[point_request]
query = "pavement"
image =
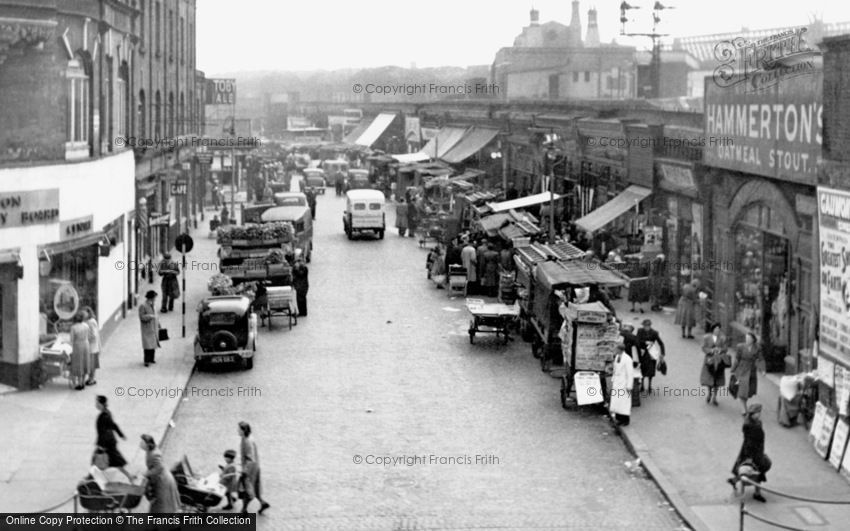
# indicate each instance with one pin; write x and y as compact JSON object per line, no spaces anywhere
{"x":689,"y":447}
{"x":49,"y":433}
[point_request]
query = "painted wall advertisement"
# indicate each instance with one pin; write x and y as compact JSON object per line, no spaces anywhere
{"x":834,"y":250}
{"x":775,"y":132}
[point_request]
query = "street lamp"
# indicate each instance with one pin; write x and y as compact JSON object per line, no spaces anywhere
{"x":655,"y":62}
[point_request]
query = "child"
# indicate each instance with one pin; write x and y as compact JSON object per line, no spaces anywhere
{"x":229,"y":478}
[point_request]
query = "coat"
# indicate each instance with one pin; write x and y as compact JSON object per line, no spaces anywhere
{"x":168,"y":270}
{"x":401,"y":216}
{"x":149,"y":326}
{"x":622,"y":382}
{"x":713,"y":373}
{"x":81,"y":362}
{"x":469,"y":259}
{"x":94,"y":337}
{"x":490,"y":269}
{"x":747,"y":361}
{"x":753,"y":449}
{"x":166,"y":498}
{"x":647,"y":363}
{"x":479,"y":259}
{"x":250,"y":468}
{"x":106,"y":430}
{"x":686,"y":310}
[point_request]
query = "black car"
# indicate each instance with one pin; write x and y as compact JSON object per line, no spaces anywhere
{"x":227,"y":331}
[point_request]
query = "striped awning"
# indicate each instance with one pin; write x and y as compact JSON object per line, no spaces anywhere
{"x":628,"y":198}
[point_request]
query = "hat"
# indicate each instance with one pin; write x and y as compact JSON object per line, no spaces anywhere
{"x":647,"y":322}
{"x":230,"y":454}
{"x":753,"y":409}
{"x":150,"y":294}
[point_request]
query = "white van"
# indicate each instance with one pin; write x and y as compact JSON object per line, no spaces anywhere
{"x":364,"y":211}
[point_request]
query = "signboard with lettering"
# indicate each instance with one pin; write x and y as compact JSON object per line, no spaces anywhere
{"x":834,"y":249}
{"x":74,"y":228}
{"x":775,"y":132}
{"x":677,"y":178}
{"x":839,"y":443}
{"x":221,"y":92}
{"x":588,"y":388}
{"x":179,"y":187}
{"x":33,"y":207}
{"x":204,"y":158}
{"x":822,"y":429}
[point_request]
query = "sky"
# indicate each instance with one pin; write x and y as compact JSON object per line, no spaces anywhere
{"x":295,"y":35}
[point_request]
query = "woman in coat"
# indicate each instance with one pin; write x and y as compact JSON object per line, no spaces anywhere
{"x":752,"y":450}
{"x":106,"y":430}
{"x":490,"y":271}
{"x":94,"y":344}
{"x":646,"y":336}
{"x":165,"y":497}
{"x":748,"y":363}
{"x":80,"y":351}
{"x":713,"y":373}
{"x":401,"y":217}
{"x":150,"y":327}
{"x":686,"y":310}
{"x":250,"y":469}
{"x":622,"y":382}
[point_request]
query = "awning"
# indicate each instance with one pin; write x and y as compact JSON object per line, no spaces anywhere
{"x":445,"y":140}
{"x":614,"y":208}
{"x":491,"y":224}
{"x":10,"y":256}
{"x":407,"y":158}
{"x":518,"y":229}
{"x":468,"y":175}
{"x":523,"y":202}
{"x":375,"y":129}
{"x":576,"y":272}
{"x":473,"y":142}
{"x":77,"y":243}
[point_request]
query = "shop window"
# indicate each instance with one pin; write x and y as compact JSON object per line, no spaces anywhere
{"x":67,"y":284}
{"x":77,"y":112}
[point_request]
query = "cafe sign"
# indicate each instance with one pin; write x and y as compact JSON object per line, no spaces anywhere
{"x":776,"y":132}
{"x":33,"y":207}
{"x":74,"y":228}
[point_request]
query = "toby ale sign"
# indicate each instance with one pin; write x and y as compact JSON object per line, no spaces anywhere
{"x":221,"y":92}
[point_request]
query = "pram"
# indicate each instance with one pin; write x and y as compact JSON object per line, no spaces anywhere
{"x":197,"y":493}
{"x":116,"y":497}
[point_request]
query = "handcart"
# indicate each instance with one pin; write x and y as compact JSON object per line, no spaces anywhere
{"x":490,"y":318}
{"x":457,"y":280}
{"x":116,"y":497}
{"x":197,"y":493}
{"x":281,"y":301}
{"x":431,"y":228}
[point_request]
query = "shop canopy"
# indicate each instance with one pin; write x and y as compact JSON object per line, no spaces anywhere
{"x":472,"y":142}
{"x":578,"y":273}
{"x":406,"y":158}
{"x":355,"y":133}
{"x":468,"y":175}
{"x":629,"y":198}
{"x":518,"y":229}
{"x":524,"y":202}
{"x":375,"y":129}
{"x":438,"y":146}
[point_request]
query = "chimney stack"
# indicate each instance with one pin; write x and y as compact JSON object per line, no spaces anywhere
{"x":575,"y":26}
{"x":535,"y":17}
{"x":592,"y":38}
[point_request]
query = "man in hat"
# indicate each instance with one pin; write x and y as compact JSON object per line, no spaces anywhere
{"x":168,"y":270}
{"x":150,"y":327}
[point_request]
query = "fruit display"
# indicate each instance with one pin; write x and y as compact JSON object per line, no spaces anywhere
{"x":275,"y":232}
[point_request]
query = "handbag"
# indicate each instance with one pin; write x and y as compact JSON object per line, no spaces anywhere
{"x":662,"y":366}
{"x":733,"y":386}
{"x":163,"y":334}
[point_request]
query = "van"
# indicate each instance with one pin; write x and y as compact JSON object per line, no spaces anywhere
{"x":293,"y":207}
{"x":364,"y":211}
{"x":335,"y":170}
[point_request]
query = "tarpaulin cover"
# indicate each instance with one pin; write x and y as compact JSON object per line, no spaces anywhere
{"x":474,"y":140}
{"x":375,"y":129}
{"x":614,"y":208}
{"x":576,"y":272}
{"x":523,"y":202}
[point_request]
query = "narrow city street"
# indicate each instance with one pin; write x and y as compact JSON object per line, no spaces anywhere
{"x":383,"y":367}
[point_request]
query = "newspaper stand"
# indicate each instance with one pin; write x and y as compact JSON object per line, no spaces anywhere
{"x":588,"y":343}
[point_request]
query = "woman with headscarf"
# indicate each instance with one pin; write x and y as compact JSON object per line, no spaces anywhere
{"x":164,"y":496}
{"x":94,"y":343}
{"x":250,"y":469}
{"x":752,"y":454}
{"x":748,"y":363}
{"x":80,"y":351}
{"x":686,"y":310}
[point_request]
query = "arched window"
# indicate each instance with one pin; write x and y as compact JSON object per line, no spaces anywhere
{"x":143,"y":116}
{"x":157,"y":121}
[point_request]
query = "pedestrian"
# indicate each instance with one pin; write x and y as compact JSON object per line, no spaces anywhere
{"x":651,"y":351}
{"x":506,"y":258}
{"x":480,"y":249}
{"x":657,"y":282}
{"x":229,"y":478}
{"x":168,"y":270}
{"x":752,"y":455}
{"x":164,"y":496}
{"x":311,"y":201}
{"x":250,"y":469}
{"x":225,"y":215}
{"x":216,"y":196}
{"x":401,"y":217}
{"x":632,"y":348}
{"x":622,"y":382}
{"x":469,"y":260}
{"x":150,"y":327}
{"x":686,"y":309}
{"x":301,"y":283}
{"x":81,"y":361}
{"x":106,"y":430}
{"x":437,"y":269}
{"x":713,"y":373}
{"x":453,"y":252}
{"x":490,"y":277}
{"x":412,"y":217}
{"x":749,"y":361}
{"x":94,"y":343}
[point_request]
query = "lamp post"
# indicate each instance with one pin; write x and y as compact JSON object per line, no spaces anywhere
{"x":655,"y":61}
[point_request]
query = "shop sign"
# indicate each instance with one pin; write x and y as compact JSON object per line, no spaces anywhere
{"x":588,"y":388}
{"x":823,"y":425}
{"x":677,"y":178}
{"x":834,"y":249}
{"x":774,"y":132}
{"x":652,"y":239}
{"x":33,"y":207}
{"x":411,"y":129}
{"x":204,"y":158}
{"x":74,"y":228}
{"x":179,"y":187}
{"x":221,"y":92}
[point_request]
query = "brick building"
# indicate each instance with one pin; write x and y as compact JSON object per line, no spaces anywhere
{"x":81,"y":83}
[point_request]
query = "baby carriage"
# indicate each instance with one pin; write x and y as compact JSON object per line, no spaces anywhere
{"x":115,"y":497}
{"x":197,"y":493}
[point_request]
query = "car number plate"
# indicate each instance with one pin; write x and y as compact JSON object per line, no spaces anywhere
{"x":222,"y":359}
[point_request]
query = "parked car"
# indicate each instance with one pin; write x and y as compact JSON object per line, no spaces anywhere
{"x":315,"y":178}
{"x":227,"y":332}
{"x":364,"y":212}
